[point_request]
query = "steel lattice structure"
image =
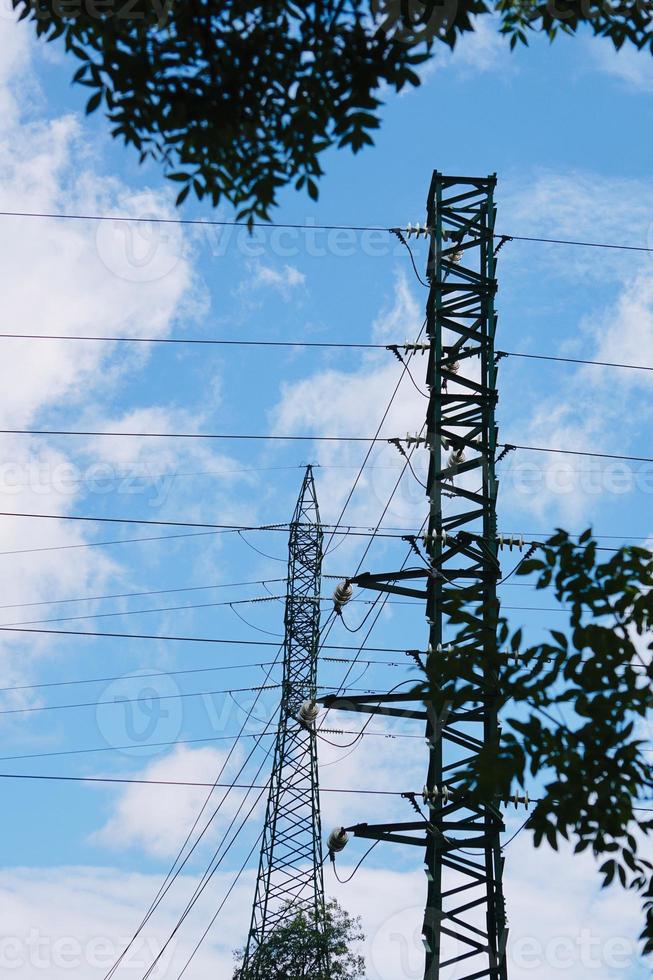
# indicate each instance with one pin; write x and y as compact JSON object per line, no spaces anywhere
{"x":290,"y":876}
{"x":464,"y":926}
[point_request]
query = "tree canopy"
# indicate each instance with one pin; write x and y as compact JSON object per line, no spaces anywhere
{"x":238,"y":99}
{"x":574,"y":709}
{"x":297,"y":949}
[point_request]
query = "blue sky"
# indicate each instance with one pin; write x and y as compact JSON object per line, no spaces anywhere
{"x":566,"y":129}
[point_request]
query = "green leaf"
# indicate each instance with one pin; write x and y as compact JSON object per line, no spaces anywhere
{"x":93,"y":102}
{"x":529,"y":566}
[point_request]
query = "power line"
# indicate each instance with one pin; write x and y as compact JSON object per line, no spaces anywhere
{"x":180,"y":860}
{"x":348,"y":499}
{"x":135,"y":595}
{"x":192,"y":741}
{"x":157,"y":697}
{"x":214,"y":863}
{"x":102,"y":544}
{"x":191,"y":341}
{"x":123,"y":780}
{"x":208,"y":222}
{"x":577,"y":452}
{"x":175,"y":673}
{"x":573,"y":360}
{"x":183,"y":639}
{"x":567,"y":241}
{"x":188,"y":435}
{"x":271,"y":226}
{"x":141,"y":612}
{"x":293,"y":438}
{"x":221,"y":528}
{"x":135,"y":676}
{"x":251,"y":601}
{"x":342,"y":345}
{"x":223,"y":902}
{"x":200,"y":534}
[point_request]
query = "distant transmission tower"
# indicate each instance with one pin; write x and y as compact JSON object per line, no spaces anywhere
{"x":464,"y":925}
{"x":290,"y":878}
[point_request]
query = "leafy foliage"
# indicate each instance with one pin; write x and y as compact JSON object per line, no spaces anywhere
{"x":574,"y":708}
{"x":238,"y":99}
{"x":295,"y":950}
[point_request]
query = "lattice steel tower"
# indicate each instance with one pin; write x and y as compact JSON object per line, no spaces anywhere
{"x":290,"y":878}
{"x":464,"y":927}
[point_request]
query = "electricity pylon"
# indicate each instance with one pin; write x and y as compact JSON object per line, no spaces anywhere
{"x":464,"y":927}
{"x":290,"y":877}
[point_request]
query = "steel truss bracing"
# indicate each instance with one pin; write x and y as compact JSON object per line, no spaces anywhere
{"x":290,"y":876}
{"x":464,"y":926}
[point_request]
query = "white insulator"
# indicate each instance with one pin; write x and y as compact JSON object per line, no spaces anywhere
{"x":342,"y":594}
{"x":429,"y":538}
{"x":307,"y":714}
{"x":416,"y":439}
{"x":455,"y":367}
{"x":456,"y":457}
{"x":417,"y":229}
{"x":432,"y":797}
{"x":409,"y":345}
{"x":526,"y":799}
{"x":338,"y":840}
{"x":457,"y":256}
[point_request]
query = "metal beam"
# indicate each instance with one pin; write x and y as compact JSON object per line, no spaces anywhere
{"x":461,"y":550}
{"x":290,"y":876}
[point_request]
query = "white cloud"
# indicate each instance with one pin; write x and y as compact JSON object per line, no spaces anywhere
{"x":338,"y":402}
{"x":483,"y":51}
{"x":631,"y":67}
{"x":559,"y":925}
{"x":284,"y":280}
{"x":624,"y":332}
{"x":71,"y":921}
{"x":67,"y":277}
{"x":486,"y":50}
{"x":582,"y":206}
{"x":586,"y":407}
{"x":156,"y":819}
